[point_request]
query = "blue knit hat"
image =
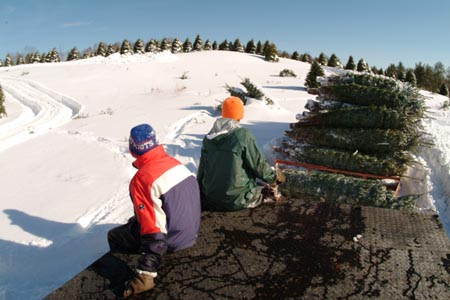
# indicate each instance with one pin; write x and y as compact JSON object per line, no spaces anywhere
{"x":142,"y":139}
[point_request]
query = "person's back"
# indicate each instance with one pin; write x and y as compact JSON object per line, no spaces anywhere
{"x":174,"y":190}
{"x":230,"y":163}
{"x":166,"y":202}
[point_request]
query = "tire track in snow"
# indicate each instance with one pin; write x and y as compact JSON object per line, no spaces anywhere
{"x":41,"y":110}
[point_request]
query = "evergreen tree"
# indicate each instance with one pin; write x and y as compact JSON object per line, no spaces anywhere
{"x":8,"y":61}
{"x":306,"y":57}
{"x":2,"y":101}
{"x":443,"y":90}
{"x":259,"y":48}
{"x":237,"y":46}
{"x":265,"y":46}
{"x":284,"y":54}
{"x":362,"y":66}
{"x":126,"y":48}
{"x":19,"y":60}
{"x":419,"y":72}
{"x":101,"y":50}
{"x":323,"y":59}
{"x":411,"y":77}
{"x":187,"y":45}
{"x":224,"y":45}
{"x":438,"y":75}
{"x":208,"y":46}
{"x":425,"y":77}
{"x":252,"y":90}
{"x":36,"y":58}
{"x":1,"y":63}
{"x":215,"y":46}
{"x":87,"y":54}
{"x":401,"y":75}
{"x":287,"y":73}
{"x":74,"y":54}
{"x":198,"y":43}
{"x":391,"y":71}
{"x":311,"y":77}
{"x":374,"y":70}
{"x":177,"y":47}
{"x":271,"y":53}
{"x":295,"y":56}
{"x":48,"y":57}
{"x":151,"y":46}
{"x":139,"y":47}
{"x":447,"y":72}
{"x":251,"y":47}
{"x":350,"y":64}
{"x":158,"y":45}
{"x":56,"y":55}
{"x":43,"y":57}
{"x":53,"y":56}
{"x":334,"y":61}
{"x":428,"y":82}
{"x":165,"y":44}
{"x":400,"y":69}
{"x":111,"y":50}
{"x":29,"y":58}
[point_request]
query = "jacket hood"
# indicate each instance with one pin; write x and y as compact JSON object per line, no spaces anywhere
{"x":222,"y":126}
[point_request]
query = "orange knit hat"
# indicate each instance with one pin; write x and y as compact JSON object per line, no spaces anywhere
{"x":233,"y":108}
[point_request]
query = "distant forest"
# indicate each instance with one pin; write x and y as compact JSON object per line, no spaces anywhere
{"x":432,"y":78}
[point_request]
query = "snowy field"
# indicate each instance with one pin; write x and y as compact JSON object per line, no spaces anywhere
{"x":64,"y":153}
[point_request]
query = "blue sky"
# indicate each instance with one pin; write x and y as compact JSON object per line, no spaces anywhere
{"x":380,"y":31}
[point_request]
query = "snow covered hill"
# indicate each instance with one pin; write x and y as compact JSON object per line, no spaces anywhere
{"x":64,"y":154}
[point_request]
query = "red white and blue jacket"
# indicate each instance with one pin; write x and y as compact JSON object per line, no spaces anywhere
{"x":166,"y":202}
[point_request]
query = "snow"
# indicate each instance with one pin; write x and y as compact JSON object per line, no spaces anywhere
{"x":64,"y":154}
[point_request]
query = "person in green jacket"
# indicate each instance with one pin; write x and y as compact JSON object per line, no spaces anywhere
{"x":231,"y":162}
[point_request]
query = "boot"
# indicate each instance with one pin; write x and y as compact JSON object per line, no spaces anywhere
{"x":140,"y":283}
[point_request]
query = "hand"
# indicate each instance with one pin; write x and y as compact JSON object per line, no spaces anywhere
{"x":140,"y":283}
{"x":280,"y":176}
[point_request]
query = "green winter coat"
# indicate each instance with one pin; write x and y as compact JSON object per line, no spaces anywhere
{"x":229,"y":165}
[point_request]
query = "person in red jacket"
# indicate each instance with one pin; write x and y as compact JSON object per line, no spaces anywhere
{"x":166,"y":201}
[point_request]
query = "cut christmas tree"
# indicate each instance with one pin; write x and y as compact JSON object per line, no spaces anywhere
{"x":369,"y":141}
{"x":363,"y":117}
{"x":388,"y":165}
{"x":342,"y":189}
{"x":360,"y":124}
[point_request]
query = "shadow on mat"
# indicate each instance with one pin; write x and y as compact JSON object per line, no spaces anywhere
{"x":115,"y":270}
{"x":270,"y":252}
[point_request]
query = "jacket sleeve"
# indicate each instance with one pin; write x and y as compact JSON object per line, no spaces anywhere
{"x":255,"y":160}
{"x":153,"y":241}
{"x":200,"y":167}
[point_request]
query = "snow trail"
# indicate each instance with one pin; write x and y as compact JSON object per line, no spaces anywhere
{"x":41,"y":111}
{"x":184,"y":138}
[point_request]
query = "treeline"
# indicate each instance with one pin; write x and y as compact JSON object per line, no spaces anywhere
{"x":267,"y":49}
{"x":432,"y":78}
